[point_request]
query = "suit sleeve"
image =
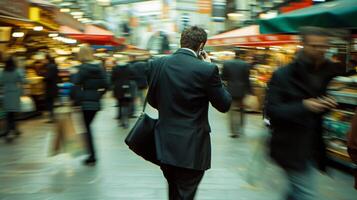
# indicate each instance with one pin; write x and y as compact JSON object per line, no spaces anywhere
{"x":279,"y":110}
{"x":217,"y":94}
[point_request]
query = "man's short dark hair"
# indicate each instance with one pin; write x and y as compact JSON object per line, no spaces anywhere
{"x":313,"y":30}
{"x":192,"y":37}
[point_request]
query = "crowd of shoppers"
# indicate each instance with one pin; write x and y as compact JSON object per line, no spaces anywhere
{"x":187,"y":83}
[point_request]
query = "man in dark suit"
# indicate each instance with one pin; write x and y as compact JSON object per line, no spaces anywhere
{"x":185,"y":87}
{"x":236,"y":73}
{"x":295,"y":103}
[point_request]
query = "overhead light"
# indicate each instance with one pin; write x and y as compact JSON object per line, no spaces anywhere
{"x":18,"y":34}
{"x":38,"y":28}
{"x":81,"y":19}
{"x":77,"y":13}
{"x":234,"y":16}
{"x":268,"y":15}
{"x":65,"y":10}
{"x":77,"y":16}
{"x":299,"y":47}
{"x":104,"y":2}
{"x":53,"y":35}
{"x":65,"y":4}
{"x":262,"y":48}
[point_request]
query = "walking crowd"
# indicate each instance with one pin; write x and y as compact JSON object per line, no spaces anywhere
{"x":182,"y":86}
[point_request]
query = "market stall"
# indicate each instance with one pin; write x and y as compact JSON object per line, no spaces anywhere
{"x":265,"y":52}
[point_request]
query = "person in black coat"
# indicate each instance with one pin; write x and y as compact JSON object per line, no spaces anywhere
{"x":295,"y":103}
{"x":123,"y":92}
{"x":141,"y":80}
{"x":236,"y":72}
{"x":51,"y":79}
{"x":182,"y":92}
{"x":92,"y":84}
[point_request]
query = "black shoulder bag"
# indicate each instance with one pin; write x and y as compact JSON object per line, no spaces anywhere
{"x":141,"y":138}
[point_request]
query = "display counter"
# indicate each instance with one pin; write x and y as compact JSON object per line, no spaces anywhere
{"x":337,"y":123}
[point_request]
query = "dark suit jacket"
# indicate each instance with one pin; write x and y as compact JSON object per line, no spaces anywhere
{"x":121,"y":77}
{"x":297,"y":132}
{"x":236,"y":73}
{"x":182,"y":94}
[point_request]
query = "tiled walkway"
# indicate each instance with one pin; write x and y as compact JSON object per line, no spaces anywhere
{"x":27,"y":172}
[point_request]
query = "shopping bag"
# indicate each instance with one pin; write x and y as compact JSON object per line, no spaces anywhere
{"x":251,"y":102}
{"x":67,"y":137}
{"x":27,"y":104}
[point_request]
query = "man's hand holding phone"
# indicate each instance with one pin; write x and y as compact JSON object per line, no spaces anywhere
{"x":204,"y":56}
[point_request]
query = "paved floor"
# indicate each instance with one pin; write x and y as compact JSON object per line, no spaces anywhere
{"x":28,"y":172}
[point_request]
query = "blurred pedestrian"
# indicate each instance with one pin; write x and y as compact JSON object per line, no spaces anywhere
{"x":51,"y":79}
{"x":237,"y":72}
{"x":11,"y":79}
{"x":182,"y":91}
{"x":123,"y":91}
{"x":352,"y":144}
{"x":140,"y":80}
{"x":92,"y":81}
{"x":133,"y":87}
{"x":295,"y":103}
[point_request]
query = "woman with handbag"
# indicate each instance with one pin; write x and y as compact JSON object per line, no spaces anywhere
{"x":92,"y":81}
{"x":11,"y":79}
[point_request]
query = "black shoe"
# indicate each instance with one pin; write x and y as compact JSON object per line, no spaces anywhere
{"x":234,"y":136}
{"x":89,"y":161}
{"x":17,"y":132}
{"x":9,"y":138}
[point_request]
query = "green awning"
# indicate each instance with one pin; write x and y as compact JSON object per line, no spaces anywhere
{"x":334,"y":14}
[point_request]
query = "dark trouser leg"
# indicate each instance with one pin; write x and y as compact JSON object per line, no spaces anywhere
{"x":50,"y":107}
{"x":125,"y":115}
{"x":183,"y":183}
{"x":242,"y":116}
{"x":88,"y":116}
{"x":11,"y":124}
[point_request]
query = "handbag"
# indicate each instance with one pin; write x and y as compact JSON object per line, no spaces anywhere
{"x":141,"y":138}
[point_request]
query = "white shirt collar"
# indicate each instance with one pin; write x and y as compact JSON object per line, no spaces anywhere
{"x":190,"y":50}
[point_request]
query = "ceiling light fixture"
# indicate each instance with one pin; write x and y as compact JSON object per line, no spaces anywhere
{"x":53,"y":35}
{"x":38,"y":28}
{"x":65,"y":10}
{"x":18,"y":34}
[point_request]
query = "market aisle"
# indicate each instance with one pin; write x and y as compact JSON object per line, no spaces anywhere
{"x":28,"y":173}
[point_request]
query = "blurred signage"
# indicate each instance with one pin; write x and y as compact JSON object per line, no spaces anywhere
{"x":44,"y":17}
{"x":204,"y":6}
{"x":260,"y":40}
{"x":66,"y":19}
{"x":219,"y":11}
{"x":5,"y":33}
{"x":14,"y":8}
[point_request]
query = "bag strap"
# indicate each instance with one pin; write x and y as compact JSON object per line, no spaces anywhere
{"x":154,"y":79}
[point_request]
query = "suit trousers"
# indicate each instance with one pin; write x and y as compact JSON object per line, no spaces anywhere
{"x":88,"y":116}
{"x":182,"y":182}
{"x":237,"y":116}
